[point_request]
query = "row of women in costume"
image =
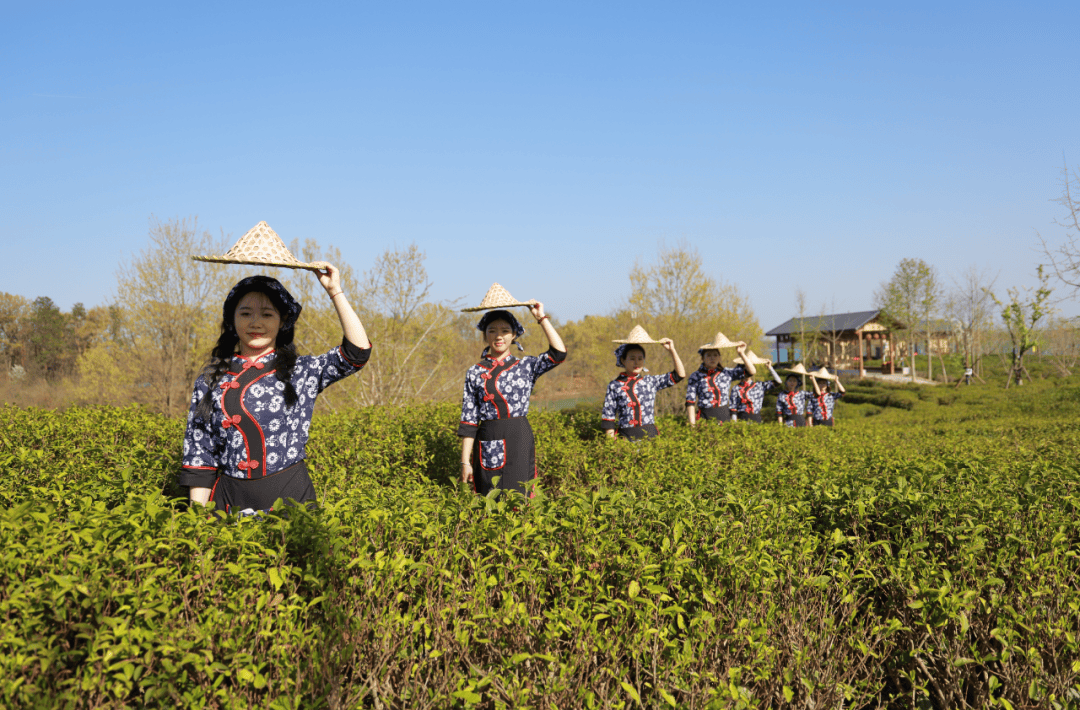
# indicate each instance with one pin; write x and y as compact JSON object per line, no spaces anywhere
{"x":251,"y":408}
{"x":713,"y":393}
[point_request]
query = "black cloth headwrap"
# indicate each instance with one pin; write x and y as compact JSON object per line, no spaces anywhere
{"x":518,"y":328}
{"x":268,"y":285}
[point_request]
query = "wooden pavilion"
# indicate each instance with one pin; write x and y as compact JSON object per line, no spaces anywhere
{"x":849,"y":338}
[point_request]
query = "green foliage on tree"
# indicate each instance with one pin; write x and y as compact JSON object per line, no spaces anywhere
{"x":1021,"y":314}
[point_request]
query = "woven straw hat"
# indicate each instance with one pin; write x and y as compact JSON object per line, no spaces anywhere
{"x":498,"y":297}
{"x":719,"y":341}
{"x":637,"y":336}
{"x":754,"y":358}
{"x":262,"y":246}
{"x":799,"y":369}
{"x":822,"y":374}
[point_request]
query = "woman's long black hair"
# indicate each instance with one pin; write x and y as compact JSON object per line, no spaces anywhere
{"x":221,"y":356}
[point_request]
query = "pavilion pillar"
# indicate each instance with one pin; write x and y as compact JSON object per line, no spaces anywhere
{"x":862,"y":358}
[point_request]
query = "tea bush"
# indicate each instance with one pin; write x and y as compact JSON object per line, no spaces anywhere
{"x":925,"y":556}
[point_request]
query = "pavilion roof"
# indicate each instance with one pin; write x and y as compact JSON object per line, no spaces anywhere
{"x":832,"y":323}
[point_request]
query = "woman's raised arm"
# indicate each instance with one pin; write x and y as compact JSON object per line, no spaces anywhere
{"x":351,"y":327}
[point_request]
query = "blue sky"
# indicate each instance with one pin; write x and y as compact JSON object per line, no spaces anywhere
{"x":543,"y":145}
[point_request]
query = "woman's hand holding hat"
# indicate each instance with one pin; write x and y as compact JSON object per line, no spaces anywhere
{"x":330,"y":278}
{"x":668,"y":344}
{"x":537,"y":310}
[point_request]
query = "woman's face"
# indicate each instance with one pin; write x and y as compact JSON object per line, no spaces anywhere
{"x":791,"y":383}
{"x":633,"y":362}
{"x":257,"y":323}
{"x":711,"y":359}
{"x":498,"y":336}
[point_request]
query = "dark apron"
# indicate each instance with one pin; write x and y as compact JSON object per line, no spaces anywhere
{"x":750,"y":416}
{"x":637,"y":433}
{"x":519,"y":455}
{"x":722,"y":414}
{"x":800,"y":420}
{"x":823,"y":422}
{"x":231,"y":495}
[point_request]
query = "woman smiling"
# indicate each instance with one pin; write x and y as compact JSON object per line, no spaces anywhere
{"x":497,"y":445}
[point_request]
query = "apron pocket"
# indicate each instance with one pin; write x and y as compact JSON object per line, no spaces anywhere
{"x":492,"y":454}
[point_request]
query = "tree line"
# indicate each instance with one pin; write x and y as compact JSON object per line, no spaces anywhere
{"x":149,"y":344}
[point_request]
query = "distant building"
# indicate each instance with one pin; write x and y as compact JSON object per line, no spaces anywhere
{"x":848,"y":339}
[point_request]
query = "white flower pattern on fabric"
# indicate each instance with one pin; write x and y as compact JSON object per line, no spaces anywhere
{"x":514,"y":387}
{"x":619,"y":410}
{"x":749,"y":398}
{"x":492,"y":454}
{"x":210,"y":445}
{"x":823,"y":404}
{"x":789,"y":404}
{"x":712,"y":388}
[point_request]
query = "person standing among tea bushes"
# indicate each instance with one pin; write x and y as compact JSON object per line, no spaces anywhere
{"x":793,"y":402}
{"x":496,"y":438}
{"x":630,"y":403}
{"x":708,"y":391}
{"x":824,"y":401}
{"x":749,"y":395}
{"x":252,"y":404}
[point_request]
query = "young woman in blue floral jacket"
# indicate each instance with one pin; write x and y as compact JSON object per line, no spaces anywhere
{"x":793,"y":403}
{"x":708,"y":391}
{"x":824,"y":401}
{"x":251,"y":408}
{"x":630,"y":404}
{"x":496,"y":439}
{"x":749,"y":396}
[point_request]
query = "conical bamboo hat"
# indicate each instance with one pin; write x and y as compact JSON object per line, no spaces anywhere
{"x":799,"y":369}
{"x":755,"y":359}
{"x":637,"y":336}
{"x":823,"y":374}
{"x":262,"y":246}
{"x":498,"y":297}
{"x":719,"y":341}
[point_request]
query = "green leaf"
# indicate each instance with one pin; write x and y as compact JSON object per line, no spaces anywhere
{"x":630,"y":691}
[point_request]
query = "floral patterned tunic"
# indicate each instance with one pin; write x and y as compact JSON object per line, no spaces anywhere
{"x":749,"y":396}
{"x":631,"y":400}
{"x":712,"y":388}
{"x":790,"y":404}
{"x":823,"y":404}
{"x":251,"y":433}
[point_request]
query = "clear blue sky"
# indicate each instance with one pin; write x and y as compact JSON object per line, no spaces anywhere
{"x":543,"y":145}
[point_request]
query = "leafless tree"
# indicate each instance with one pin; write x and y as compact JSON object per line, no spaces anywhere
{"x":1064,"y":258}
{"x":1061,"y":344}
{"x":969,"y":307}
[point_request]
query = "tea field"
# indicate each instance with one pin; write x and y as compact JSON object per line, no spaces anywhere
{"x":923,"y":554}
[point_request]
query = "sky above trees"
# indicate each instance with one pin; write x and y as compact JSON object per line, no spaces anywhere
{"x":546,"y":146}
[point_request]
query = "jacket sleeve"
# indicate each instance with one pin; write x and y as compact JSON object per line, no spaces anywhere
{"x":203,"y":445}
{"x":470,"y":410}
{"x":609,"y":414}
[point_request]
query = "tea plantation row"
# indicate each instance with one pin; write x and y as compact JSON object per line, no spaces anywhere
{"x":915,"y":558}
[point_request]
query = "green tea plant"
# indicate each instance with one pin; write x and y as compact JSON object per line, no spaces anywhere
{"x":922,"y":557}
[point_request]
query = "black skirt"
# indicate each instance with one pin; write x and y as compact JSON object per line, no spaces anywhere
{"x":823,"y":422}
{"x":749,"y":417}
{"x":800,"y":420}
{"x":518,"y":467}
{"x":232,"y":495}
{"x":637,"y":433}
{"x":721,"y":414}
